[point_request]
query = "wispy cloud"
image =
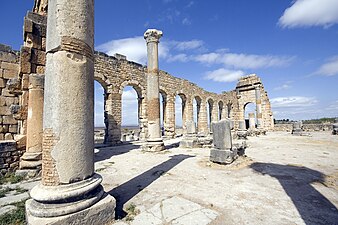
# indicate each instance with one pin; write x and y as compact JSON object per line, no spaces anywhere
{"x":187,"y":45}
{"x":330,"y":68}
{"x":284,"y":86}
{"x":186,"y":21}
{"x":134,"y":48}
{"x":306,"y":13}
{"x":244,"y":61}
{"x":224,"y":75}
{"x":178,"y":58}
{"x":293,"y":101}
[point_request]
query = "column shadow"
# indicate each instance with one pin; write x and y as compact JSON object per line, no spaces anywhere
{"x":313,"y":207}
{"x":124,"y":192}
{"x":104,"y":153}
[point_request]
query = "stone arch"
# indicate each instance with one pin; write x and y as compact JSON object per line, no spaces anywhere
{"x":141,"y":93}
{"x":248,"y":106}
{"x":107,"y":87}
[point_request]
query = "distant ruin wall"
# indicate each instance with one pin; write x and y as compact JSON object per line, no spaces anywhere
{"x":9,"y":68}
{"x":306,"y":127}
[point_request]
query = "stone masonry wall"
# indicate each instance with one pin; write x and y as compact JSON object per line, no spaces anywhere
{"x":9,"y":157}
{"x":9,"y":68}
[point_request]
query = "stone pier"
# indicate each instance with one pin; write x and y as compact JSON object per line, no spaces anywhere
{"x":31,"y":159}
{"x":70,"y":192}
{"x":258,"y":107}
{"x":222,"y":151}
{"x":154,"y":139}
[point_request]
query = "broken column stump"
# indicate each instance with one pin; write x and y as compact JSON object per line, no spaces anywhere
{"x":222,"y":152}
{"x":190,"y":140}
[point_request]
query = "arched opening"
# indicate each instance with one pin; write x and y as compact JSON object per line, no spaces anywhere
{"x":163,"y":108}
{"x":210,"y":105}
{"x":196,"y":108}
{"x":220,"y":110}
{"x":229,"y":110}
{"x":130,"y":114}
{"x":180,"y":102}
{"x":100,"y":115}
{"x":249,"y":115}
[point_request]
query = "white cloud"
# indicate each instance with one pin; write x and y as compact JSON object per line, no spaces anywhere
{"x":224,"y":75}
{"x":330,"y":68}
{"x":305,"y":13}
{"x":179,"y":58}
{"x":243,"y":61}
{"x":187,"y":45}
{"x":293,"y":101}
{"x":134,"y":48}
{"x":129,"y":97}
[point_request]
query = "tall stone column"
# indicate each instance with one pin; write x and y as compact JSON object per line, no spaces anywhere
{"x":214,"y":112}
{"x":70,"y":192}
{"x":258,"y":107}
{"x":31,"y":159}
{"x":154,"y":139}
{"x":203,"y":119}
{"x":188,"y":114}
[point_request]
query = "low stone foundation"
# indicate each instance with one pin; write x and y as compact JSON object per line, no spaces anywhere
{"x":9,"y":156}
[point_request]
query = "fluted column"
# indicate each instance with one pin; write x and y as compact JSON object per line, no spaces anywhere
{"x":258,"y":107}
{"x":69,"y":184}
{"x":154,"y":139}
{"x":31,"y":159}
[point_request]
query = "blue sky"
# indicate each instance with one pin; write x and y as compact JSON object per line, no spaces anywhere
{"x":291,"y":45}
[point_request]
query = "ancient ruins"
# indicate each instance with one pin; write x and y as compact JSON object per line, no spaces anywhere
{"x":47,"y":112}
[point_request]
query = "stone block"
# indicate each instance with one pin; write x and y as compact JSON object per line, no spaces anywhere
{"x":222,"y":134}
{"x":38,"y":57}
{"x":13,"y":129}
{"x":33,"y":41}
{"x":223,"y":156}
{"x":9,"y":101}
{"x":10,"y":66}
{"x":8,"y":74}
{"x":9,"y":120}
{"x":28,"y":26}
{"x":5,"y":111}
{"x":2,"y":100}
{"x":8,"y":136}
{"x":190,"y":126}
{"x":8,"y":57}
{"x":6,"y":93}
{"x":2,"y":83}
{"x":191,"y":142}
{"x":102,"y":212}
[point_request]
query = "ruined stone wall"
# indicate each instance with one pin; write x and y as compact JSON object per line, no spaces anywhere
{"x":305,"y":127}
{"x":246,"y":93}
{"x":114,"y":73}
{"x":9,"y":68}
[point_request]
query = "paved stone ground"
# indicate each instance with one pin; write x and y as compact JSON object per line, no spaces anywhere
{"x":283,"y":180}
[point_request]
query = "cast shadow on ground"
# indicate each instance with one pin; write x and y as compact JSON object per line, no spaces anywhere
{"x":129,"y":189}
{"x":313,"y":207}
{"x":104,"y":153}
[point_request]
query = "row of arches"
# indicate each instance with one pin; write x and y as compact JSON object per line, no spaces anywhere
{"x":175,"y":110}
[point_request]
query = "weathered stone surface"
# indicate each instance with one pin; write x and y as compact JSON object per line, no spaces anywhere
{"x":222,"y":134}
{"x":7,"y":209}
{"x":223,"y":156}
{"x":100,"y":213}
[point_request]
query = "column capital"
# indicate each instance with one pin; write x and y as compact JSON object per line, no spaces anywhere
{"x":152,"y":35}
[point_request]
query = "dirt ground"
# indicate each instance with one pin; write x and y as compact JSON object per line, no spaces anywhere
{"x":283,"y":179}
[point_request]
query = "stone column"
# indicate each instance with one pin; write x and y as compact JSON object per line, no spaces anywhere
{"x":31,"y":159}
{"x":169,"y":129}
{"x":252,"y":121}
{"x":154,"y":139}
{"x":214,"y":112}
{"x":202,"y":119}
{"x":258,"y":107}
{"x":70,"y":192}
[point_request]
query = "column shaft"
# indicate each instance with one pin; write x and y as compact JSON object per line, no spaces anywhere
{"x":202,"y":118}
{"x":258,"y":107}
{"x":154,"y":139}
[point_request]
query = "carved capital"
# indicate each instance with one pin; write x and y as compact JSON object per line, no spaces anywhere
{"x":153,"y":35}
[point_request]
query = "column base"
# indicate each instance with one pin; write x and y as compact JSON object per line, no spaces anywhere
{"x":226,"y":156}
{"x":155,"y":145}
{"x":102,"y":212}
{"x":189,"y":142}
{"x":31,"y":160}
